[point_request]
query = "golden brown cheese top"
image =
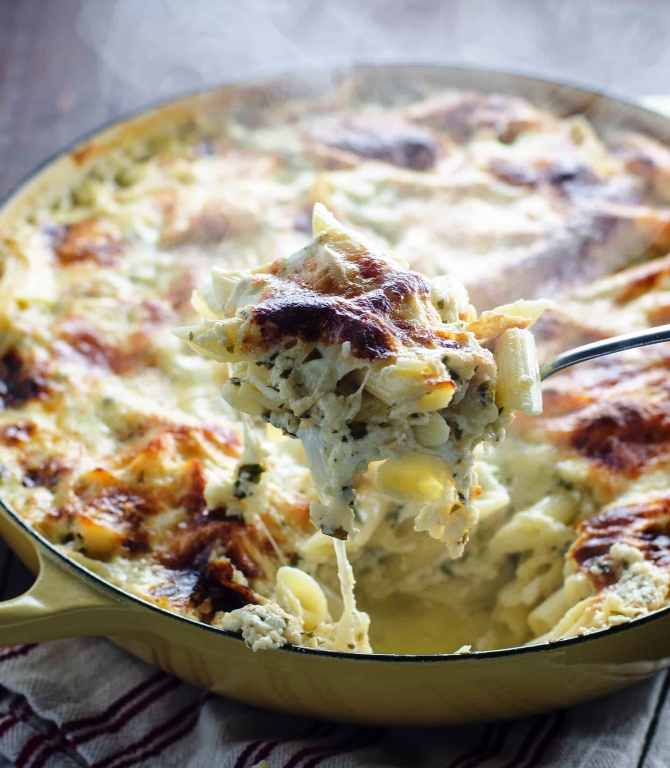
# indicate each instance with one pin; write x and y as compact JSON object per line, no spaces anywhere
{"x":614,"y":413}
{"x":343,"y":293}
{"x":644,"y":525}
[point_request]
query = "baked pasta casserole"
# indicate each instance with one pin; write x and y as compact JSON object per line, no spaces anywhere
{"x":116,"y":445}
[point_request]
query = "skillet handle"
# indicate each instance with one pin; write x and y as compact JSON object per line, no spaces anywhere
{"x":59,"y":605}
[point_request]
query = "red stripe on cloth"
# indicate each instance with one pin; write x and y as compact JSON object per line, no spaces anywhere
{"x":87,"y":722}
{"x":535,"y":732}
{"x":28,"y":750}
{"x":41,"y":757}
{"x":244,"y":755}
{"x":161,"y":746}
{"x":345,"y":744}
{"x":249,"y":750}
{"x":19,"y":713}
{"x":317,"y":730}
{"x":127,"y":715}
{"x":39,"y":747}
{"x":49,"y":745}
{"x":368,"y":741}
{"x":7,"y":723}
{"x":145,"y":741}
{"x":14,"y":652}
{"x":546,"y":742}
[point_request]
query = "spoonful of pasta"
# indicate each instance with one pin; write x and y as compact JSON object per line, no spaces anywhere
{"x":367,"y":363}
{"x":373,"y":366}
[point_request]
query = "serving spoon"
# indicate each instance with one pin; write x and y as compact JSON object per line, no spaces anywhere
{"x":605,"y":347}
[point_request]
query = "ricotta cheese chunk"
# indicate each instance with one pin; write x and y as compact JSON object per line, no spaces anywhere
{"x":263,"y":627}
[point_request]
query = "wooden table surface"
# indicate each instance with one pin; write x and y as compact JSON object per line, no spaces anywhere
{"x":69,"y":65}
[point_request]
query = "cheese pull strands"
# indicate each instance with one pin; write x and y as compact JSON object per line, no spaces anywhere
{"x":254,"y":453}
{"x":351,"y":631}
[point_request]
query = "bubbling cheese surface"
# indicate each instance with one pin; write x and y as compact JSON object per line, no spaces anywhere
{"x":363,"y":360}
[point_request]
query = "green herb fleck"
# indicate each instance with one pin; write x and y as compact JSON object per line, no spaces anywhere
{"x":247,"y":474}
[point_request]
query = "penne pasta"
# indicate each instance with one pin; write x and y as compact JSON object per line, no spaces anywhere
{"x":518,"y":386}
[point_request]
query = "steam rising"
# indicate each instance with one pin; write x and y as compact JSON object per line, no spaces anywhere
{"x":157,"y":48}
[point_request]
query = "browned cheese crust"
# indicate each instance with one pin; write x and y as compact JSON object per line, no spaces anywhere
{"x":373,"y":307}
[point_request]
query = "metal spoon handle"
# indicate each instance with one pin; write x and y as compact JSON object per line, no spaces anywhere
{"x":606,"y":347}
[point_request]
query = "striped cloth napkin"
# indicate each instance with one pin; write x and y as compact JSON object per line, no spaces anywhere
{"x":85,"y":702}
